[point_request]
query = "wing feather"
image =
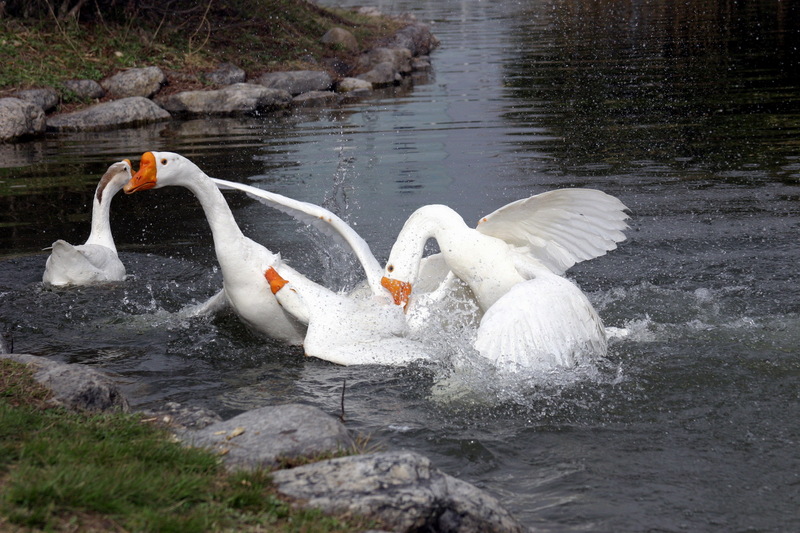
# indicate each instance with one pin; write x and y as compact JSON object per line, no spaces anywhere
{"x":320,"y":218}
{"x":561,"y":227}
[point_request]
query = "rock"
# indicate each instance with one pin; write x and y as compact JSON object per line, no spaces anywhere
{"x":315,"y":99}
{"x":354,"y":85}
{"x":400,"y":489}
{"x":416,"y":37}
{"x":131,"y":111}
{"x":75,"y":386}
{"x":183,"y":418}
{"x":259,"y":438}
{"x":381,"y":75}
{"x":236,"y":99}
{"x":297,"y":81}
{"x":369,"y":11}
{"x":84,"y":89}
{"x":340,"y":38}
{"x":400,"y":58}
{"x":421,"y":64}
{"x":20,"y":119}
{"x":226,"y":74}
{"x":46,"y":98}
{"x":135,"y":82}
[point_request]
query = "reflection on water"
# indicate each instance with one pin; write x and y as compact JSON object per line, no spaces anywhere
{"x":686,"y":111}
{"x":685,"y":85}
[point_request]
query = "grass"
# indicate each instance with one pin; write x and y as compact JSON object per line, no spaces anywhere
{"x":72,"y":471}
{"x":248,"y":33}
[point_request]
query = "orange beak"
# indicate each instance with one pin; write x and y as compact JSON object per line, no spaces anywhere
{"x":400,"y":290}
{"x":145,"y":178}
{"x":276,"y":282}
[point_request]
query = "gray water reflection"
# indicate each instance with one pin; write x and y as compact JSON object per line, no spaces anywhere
{"x":688,"y":112}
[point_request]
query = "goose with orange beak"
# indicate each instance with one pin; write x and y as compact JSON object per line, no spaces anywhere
{"x":95,"y":261}
{"x":331,"y":326}
{"x":534,"y":318}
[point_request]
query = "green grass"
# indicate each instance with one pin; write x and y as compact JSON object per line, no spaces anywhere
{"x":64,"y":470}
{"x":257,"y":35}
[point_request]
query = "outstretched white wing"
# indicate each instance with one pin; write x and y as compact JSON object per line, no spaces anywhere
{"x":561,"y":227}
{"x":321,"y":219}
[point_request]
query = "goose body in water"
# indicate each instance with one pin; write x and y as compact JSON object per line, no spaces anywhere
{"x":96,"y":260}
{"x":361,"y":325}
{"x":534,"y":318}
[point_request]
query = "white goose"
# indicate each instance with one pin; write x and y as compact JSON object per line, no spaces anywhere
{"x":365,"y":328}
{"x":96,"y":260}
{"x":535,"y":319}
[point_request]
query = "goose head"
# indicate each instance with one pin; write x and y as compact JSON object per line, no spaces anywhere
{"x":402,"y":269}
{"x":114,"y":179}
{"x":160,"y":169}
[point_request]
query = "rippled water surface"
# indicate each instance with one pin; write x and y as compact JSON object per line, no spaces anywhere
{"x":689,"y":112}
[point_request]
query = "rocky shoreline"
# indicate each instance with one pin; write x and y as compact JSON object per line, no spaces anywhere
{"x":400,"y":489}
{"x":135,"y":97}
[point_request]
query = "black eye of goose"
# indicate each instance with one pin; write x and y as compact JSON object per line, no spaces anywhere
{"x":164,"y":161}
{"x":390,"y":268}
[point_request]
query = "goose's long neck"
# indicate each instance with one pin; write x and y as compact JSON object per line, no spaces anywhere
{"x":101,"y":226}
{"x":218,"y":213}
{"x":431,"y":222}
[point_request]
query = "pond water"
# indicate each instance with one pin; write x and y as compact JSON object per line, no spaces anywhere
{"x":688,"y":112}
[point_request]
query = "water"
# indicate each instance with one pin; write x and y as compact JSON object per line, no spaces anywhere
{"x":687,"y":112}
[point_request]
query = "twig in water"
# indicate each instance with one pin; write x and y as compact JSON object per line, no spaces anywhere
{"x":341,"y":415}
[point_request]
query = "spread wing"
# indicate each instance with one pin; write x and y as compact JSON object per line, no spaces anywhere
{"x":561,"y":227}
{"x":321,"y":219}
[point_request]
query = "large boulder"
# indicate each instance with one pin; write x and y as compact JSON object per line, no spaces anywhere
{"x":47,"y":98}
{"x":381,"y":75}
{"x":20,"y":119}
{"x":417,"y":37}
{"x":236,"y":99}
{"x":144,"y":82}
{"x":400,"y":489}
{"x":133,"y":111}
{"x":315,"y":99}
{"x":74,"y":386}
{"x":400,"y":58}
{"x":340,"y":38}
{"x":261,"y":437}
{"x":297,"y":81}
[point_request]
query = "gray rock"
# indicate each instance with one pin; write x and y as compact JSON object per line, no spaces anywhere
{"x":315,"y":99}
{"x":381,"y":75}
{"x":416,"y":37}
{"x":19,"y":119}
{"x":421,"y":64}
{"x":226,"y":74}
{"x":369,"y":11}
{"x":297,"y":81}
{"x":144,"y":82}
{"x":400,"y":58}
{"x":46,"y":98}
{"x":236,"y":99}
{"x":259,"y":438}
{"x":131,"y":111}
{"x":85,"y":89}
{"x":401,"y":489}
{"x":75,"y":386}
{"x":354,"y":85}
{"x":340,"y":38}
{"x":181,"y":417}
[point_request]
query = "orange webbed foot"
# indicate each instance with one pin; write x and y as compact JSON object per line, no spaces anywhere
{"x":276,"y":282}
